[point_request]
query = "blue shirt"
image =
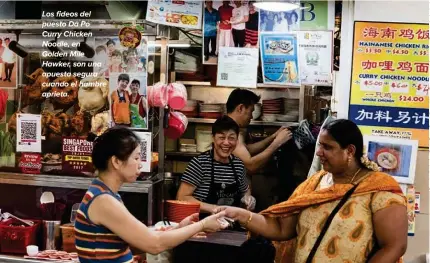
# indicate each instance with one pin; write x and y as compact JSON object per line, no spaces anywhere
{"x":211,"y":20}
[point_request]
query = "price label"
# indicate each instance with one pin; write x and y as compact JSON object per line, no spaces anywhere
{"x":399,"y":87}
{"x":371,"y":85}
{"x":422,"y":88}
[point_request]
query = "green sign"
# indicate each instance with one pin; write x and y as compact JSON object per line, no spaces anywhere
{"x":314,"y":15}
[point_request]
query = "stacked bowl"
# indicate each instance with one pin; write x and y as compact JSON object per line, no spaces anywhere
{"x":179,"y":210}
{"x":212,"y":110}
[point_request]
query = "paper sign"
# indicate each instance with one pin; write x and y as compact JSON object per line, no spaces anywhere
{"x":186,"y":14}
{"x":30,"y":163}
{"x":145,"y":151}
{"x":237,"y":67}
{"x":77,"y":155}
{"x":29,"y":133}
{"x":410,"y":198}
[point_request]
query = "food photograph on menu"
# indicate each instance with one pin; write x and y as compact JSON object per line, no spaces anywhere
{"x":395,"y":156}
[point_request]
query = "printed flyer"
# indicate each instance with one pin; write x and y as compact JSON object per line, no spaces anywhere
{"x":280,"y":59}
{"x":186,"y":14}
{"x":237,"y":67}
{"x":145,"y":151}
{"x":315,"y":57}
{"x":390,"y":82}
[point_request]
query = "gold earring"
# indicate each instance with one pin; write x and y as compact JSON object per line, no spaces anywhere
{"x":349,"y":160}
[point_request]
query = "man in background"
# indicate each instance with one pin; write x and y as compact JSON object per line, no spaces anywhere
{"x":240,"y":105}
{"x":212,"y":19}
{"x":9,"y":59}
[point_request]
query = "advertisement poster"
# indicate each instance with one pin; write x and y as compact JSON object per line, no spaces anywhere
{"x":145,"y":151}
{"x":29,"y":133}
{"x":8,"y":67}
{"x":112,"y":57}
{"x":222,"y":27}
{"x":397,"y":157}
{"x":186,"y":14}
{"x":390,"y":82}
{"x":30,"y":163}
{"x":237,"y":67}
{"x":279,"y":22}
{"x":128,"y":100}
{"x":280,"y":59}
{"x":77,"y":155}
{"x":315,"y":57}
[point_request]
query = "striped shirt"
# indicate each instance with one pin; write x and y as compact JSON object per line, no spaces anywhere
{"x":96,"y":243}
{"x":198,"y":174}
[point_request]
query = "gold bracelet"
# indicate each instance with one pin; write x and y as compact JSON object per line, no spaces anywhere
{"x":249,"y":220}
{"x":203,"y":224}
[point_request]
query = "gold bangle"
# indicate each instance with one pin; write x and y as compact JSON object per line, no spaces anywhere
{"x":203,"y":224}
{"x":249,"y":220}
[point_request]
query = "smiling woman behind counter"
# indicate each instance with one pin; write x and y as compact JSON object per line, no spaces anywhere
{"x":104,"y":227}
{"x":217,"y":177}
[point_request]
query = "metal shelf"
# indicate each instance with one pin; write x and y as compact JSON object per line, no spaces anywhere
{"x":17,"y":259}
{"x":262,"y":123}
{"x":69,"y":182}
{"x":183,"y":154}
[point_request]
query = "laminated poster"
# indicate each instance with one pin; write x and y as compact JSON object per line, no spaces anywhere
{"x":279,"y":58}
{"x":237,"y":67}
{"x":29,"y":133}
{"x":145,"y":151}
{"x":77,"y":155}
{"x":397,"y":157}
{"x":186,"y":13}
{"x":390,"y":80}
{"x":30,"y":163}
{"x":315,"y":57}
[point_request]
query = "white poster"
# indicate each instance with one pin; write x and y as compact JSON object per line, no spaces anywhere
{"x":29,"y":133}
{"x":315,"y":57}
{"x":237,"y":67}
{"x":145,"y":151}
{"x":186,"y":14}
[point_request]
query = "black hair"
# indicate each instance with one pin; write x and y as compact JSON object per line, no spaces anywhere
{"x":123,"y":77}
{"x":241,"y":96}
{"x":110,"y":41}
{"x":117,"y":141}
{"x":100,"y":48}
{"x":135,"y":81}
{"x":346,"y":132}
{"x":224,"y":124}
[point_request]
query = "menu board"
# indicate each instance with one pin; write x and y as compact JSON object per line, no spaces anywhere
{"x":186,"y":14}
{"x":280,"y":59}
{"x":77,"y":155}
{"x":315,"y":57}
{"x":390,"y":82}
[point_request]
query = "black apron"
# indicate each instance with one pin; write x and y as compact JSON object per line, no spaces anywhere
{"x":221,"y":193}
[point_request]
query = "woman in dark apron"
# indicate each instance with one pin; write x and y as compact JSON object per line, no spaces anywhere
{"x":216,"y":177}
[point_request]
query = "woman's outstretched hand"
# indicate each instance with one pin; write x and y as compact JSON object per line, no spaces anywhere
{"x":212,"y":223}
{"x":189,"y":220}
{"x":235,"y":213}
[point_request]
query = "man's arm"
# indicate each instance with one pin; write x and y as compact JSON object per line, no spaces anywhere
{"x":254,"y":163}
{"x":258,"y":147}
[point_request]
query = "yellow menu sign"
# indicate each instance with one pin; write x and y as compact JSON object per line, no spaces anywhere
{"x":390,"y":81}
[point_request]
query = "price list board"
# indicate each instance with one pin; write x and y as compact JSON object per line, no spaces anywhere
{"x":390,"y":80}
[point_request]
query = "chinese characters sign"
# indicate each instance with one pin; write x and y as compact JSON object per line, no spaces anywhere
{"x":77,"y":155}
{"x":390,"y":81}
